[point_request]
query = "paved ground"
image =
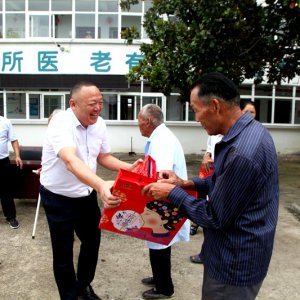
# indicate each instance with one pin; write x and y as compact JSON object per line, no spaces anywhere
{"x":26,"y":263}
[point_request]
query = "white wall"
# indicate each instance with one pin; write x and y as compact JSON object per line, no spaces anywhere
{"x":192,"y":137}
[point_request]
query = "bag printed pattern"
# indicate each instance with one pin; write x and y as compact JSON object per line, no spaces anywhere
{"x":140,"y":216}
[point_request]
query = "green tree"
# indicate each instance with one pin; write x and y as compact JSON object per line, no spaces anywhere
{"x":242,"y":39}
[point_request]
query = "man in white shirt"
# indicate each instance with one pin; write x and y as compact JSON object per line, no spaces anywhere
{"x":6,"y":181}
{"x":164,"y":147}
{"x":76,"y":140}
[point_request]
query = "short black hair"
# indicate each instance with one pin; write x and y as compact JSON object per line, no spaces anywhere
{"x":78,"y":86}
{"x":217,"y":85}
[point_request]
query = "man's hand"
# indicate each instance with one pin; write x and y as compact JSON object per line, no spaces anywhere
{"x":207,"y":162}
{"x":19,"y":162}
{"x":167,"y":176}
{"x":135,"y":164}
{"x":157,"y":190}
{"x":108,"y":199}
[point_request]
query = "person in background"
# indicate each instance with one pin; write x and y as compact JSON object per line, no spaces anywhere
{"x":54,"y":112}
{"x":76,"y":140}
{"x":241,"y":212}
{"x":163,"y":146}
{"x":207,"y":164}
{"x":6,"y":179}
{"x":248,"y":106}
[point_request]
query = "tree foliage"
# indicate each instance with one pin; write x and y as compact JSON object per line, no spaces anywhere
{"x":242,"y":39}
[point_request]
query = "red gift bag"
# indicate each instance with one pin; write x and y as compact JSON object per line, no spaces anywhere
{"x":146,"y":168}
{"x":203,"y":174}
{"x":140,"y":216}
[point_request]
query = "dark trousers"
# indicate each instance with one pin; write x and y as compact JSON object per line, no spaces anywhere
{"x":6,"y":189}
{"x":65,"y":216}
{"x":215,"y":290}
{"x":160,"y":260}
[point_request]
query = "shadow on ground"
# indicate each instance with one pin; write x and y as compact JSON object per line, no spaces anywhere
{"x":26,"y":263}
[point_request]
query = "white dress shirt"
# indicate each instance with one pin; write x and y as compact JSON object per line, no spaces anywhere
{"x":212,"y":140}
{"x":65,"y":130}
{"x":6,"y":135}
{"x":164,"y":147}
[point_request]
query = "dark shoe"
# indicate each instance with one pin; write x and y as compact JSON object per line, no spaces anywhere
{"x":196,"y":259}
{"x":14,"y":224}
{"x":193,"y":229}
{"x":148,"y":281}
{"x":153,"y":294}
{"x":88,"y":294}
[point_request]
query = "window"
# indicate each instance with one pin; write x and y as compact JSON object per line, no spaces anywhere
{"x":191,"y":114}
{"x":51,"y":102}
{"x":1,"y":27}
{"x":108,"y":6}
{"x":284,"y":91}
{"x":135,"y":8}
{"x":67,"y":98}
{"x":16,"y":105}
{"x":148,"y":4}
{"x":55,"y":19}
{"x":110,"y":107}
{"x":34,"y":106}
{"x":129,"y":107}
{"x":62,"y":26}
{"x":15,"y":5}
{"x":246,"y":89}
{"x":86,"y":5}
{"x":175,"y":110}
{"x":1,"y":105}
{"x":38,"y":5}
{"x":298,"y":92}
{"x":297,"y":111}
{"x":15,"y":24}
{"x":85,"y":26}
{"x":129,"y":21}
{"x":65,"y":5}
{"x":108,"y":26}
{"x":263,"y":110}
{"x":283,"y":109}
{"x":263,"y":100}
{"x":151,"y":100}
{"x":39,"y":26}
{"x":263,"y":90}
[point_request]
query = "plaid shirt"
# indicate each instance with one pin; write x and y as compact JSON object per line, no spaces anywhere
{"x":240,"y":215}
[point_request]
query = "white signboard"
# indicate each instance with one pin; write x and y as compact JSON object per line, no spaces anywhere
{"x":68,"y":59}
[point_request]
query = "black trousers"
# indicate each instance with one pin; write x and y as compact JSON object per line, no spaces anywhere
{"x":160,"y":260}
{"x":216,"y":290}
{"x":65,"y":216}
{"x":6,"y":189}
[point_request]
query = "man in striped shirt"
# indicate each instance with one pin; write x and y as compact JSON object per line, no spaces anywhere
{"x":241,"y":212}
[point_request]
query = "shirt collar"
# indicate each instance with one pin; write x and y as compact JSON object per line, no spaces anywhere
{"x":238,"y":126}
{"x":75,"y":120}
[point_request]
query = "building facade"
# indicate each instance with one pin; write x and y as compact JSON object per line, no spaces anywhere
{"x":46,"y":46}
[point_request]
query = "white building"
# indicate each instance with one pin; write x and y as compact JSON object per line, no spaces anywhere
{"x":49,"y":45}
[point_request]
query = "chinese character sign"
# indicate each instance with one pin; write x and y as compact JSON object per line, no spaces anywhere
{"x":74,"y":59}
